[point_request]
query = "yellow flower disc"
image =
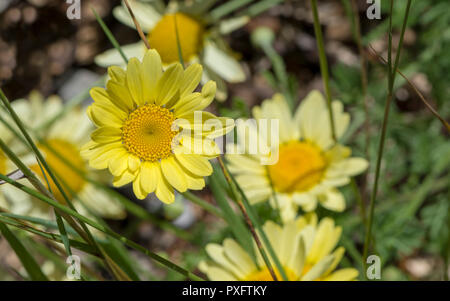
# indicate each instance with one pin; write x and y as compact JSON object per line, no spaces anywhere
{"x":300,"y":166}
{"x":265,"y":275}
{"x":164,"y":39}
{"x":147,"y":133}
{"x":57,"y":150}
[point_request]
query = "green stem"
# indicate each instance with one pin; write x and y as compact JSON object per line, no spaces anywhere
{"x":391,"y":80}
{"x":323,"y":66}
{"x":101,"y":228}
{"x":363,"y":63}
{"x":253,"y":223}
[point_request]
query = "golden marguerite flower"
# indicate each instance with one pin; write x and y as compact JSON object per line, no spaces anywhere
{"x":200,"y":37}
{"x":309,"y":167}
{"x":140,"y":138}
{"x":60,"y":144}
{"x":303,"y":246}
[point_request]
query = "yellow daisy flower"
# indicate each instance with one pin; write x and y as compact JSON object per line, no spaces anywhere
{"x":61,"y":146}
{"x":199,"y":39}
{"x":309,"y":167}
{"x":303,"y":246}
{"x":136,"y":138}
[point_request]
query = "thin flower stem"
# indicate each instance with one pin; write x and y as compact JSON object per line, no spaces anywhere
{"x":138,"y":27}
{"x":422,"y":98}
{"x":323,"y":66}
{"x":177,"y":35}
{"x":359,"y":200}
{"x":83,"y":231}
{"x":99,"y":227}
{"x":41,"y":159}
{"x":110,"y":36}
{"x":363,"y":63}
{"x":252,"y":223}
{"x":391,"y":80}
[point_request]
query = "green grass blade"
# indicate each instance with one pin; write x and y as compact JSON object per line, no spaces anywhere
{"x":227,"y":8}
{"x":180,"y":50}
{"x":110,"y":36}
{"x":103,"y":229}
{"x":235,"y":223}
{"x":28,"y":262}
{"x":260,"y":7}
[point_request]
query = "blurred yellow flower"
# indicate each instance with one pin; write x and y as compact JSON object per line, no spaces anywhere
{"x":303,"y":246}
{"x":309,"y":167}
{"x":200,"y":39}
{"x":136,"y":116}
{"x":60,"y":144}
{"x":163,"y":37}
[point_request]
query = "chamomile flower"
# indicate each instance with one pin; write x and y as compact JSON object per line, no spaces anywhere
{"x":310,"y":166}
{"x":60,"y":144}
{"x":142,"y":116}
{"x":200,"y":40}
{"x":305,"y":248}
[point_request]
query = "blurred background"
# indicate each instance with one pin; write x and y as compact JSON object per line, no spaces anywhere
{"x":41,"y":49}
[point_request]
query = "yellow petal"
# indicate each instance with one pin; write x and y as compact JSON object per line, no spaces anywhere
{"x":149,"y":176}
{"x":133,"y":162}
{"x":196,"y":164}
{"x":168,"y":85}
{"x":120,"y":95}
{"x":102,"y":117}
{"x":134,"y":80}
{"x":119,"y":164}
{"x":137,"y":188}
{"x":191,"y":78}
{"x":117,"y":74}
{"x":124,"y":179}
{"x":347,"y":274}
{"x":152,"y":72}
{"x":164,"y":191}
{"x":174,"y":174}
{"x":106,"y":134}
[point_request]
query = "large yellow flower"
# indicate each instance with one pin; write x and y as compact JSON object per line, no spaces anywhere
{"x":200,"y":39}
{"x":139,"y":136}
{"x":60,"y":144}
{"x":304,"y":248}
{"x":310,"y":166}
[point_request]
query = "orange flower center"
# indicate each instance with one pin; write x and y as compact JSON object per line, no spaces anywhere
{"x":164,"y":37}
{"x":300,"y":166}
{"x":147,"y":133}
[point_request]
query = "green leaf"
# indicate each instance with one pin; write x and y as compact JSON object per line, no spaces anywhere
{"x":28,"y":262}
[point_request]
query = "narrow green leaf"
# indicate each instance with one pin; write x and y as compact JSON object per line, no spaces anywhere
{"x":97,"y":226}
{"x":235,"y":223}
{"x":28,"y":262}
{"x":110,"y":35}
{"x":227,"y":8}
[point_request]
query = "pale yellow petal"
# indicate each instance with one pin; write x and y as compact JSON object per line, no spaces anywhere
{"x":149,"y":176}
{"x":174,"y":174}
{"x":191,"y":78}
{"x":152,"y":72}
{"x":168,"y":85}
{"x":134,"y":81}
